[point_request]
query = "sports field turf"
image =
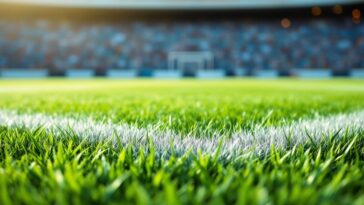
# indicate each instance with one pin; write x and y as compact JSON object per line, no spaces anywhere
{"x":243,"y":141}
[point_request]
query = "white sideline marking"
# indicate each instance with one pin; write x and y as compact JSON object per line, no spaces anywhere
{"x":260,"y":140}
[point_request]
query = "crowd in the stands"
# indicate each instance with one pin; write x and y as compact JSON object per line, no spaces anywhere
{"x":328,"y":43}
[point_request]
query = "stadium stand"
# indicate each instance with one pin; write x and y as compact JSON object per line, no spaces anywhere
{"x":241,"y":46}
{"x":182,"y":4}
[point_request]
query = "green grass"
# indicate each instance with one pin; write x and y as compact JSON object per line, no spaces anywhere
{"x":38,"y":168}
{"x":186,"y":106}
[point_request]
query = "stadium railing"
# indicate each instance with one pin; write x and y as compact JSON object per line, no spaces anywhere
{"x":201,"y":74}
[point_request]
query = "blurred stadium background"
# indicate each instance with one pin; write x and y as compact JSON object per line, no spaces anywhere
{"x":175,"y":38}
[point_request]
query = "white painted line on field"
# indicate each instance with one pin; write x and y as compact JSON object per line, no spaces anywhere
{"x":260,"y":139}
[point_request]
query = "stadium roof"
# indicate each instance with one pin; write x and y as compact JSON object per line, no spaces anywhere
{"x":183,"y":4}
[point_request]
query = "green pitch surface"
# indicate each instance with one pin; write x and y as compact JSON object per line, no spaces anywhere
{"x":38,"y":166}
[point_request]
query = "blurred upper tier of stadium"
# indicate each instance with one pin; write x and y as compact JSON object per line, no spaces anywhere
{"x":184,"y":4}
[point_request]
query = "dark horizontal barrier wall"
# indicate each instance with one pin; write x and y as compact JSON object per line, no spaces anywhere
{"x":298,"y":73}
